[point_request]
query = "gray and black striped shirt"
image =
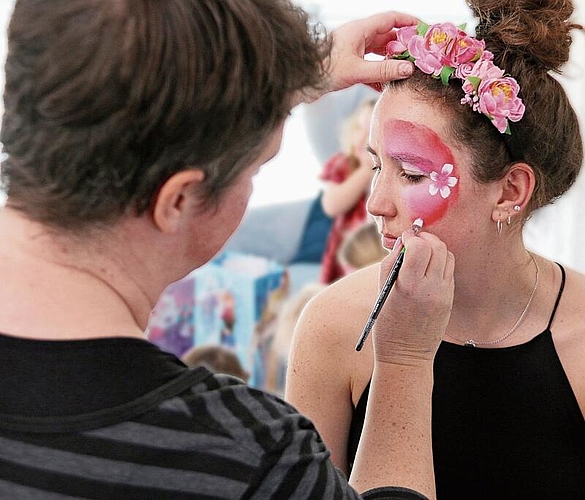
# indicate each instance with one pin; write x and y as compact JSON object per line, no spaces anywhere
{"x":119,"y":418}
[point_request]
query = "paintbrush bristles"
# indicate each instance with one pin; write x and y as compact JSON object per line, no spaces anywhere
{"x":417,"y":225}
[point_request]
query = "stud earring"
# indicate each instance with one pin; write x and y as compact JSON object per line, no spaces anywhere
{"x":517,"y":208}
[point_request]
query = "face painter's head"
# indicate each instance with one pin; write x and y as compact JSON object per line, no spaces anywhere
{"x":105,"y":101}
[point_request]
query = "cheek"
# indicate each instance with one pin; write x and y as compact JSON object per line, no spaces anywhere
{"x":420,"y":203}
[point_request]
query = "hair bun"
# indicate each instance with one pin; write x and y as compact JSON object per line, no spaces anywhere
{"x":521,"y":32}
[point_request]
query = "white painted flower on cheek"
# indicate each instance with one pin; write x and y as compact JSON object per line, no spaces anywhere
{"x":442,"y":182}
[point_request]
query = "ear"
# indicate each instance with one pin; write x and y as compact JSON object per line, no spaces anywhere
{"x":176,"y":200}
{"x":517,"y":187}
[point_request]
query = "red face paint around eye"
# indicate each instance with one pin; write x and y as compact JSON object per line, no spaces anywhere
{"x":421,"y":148}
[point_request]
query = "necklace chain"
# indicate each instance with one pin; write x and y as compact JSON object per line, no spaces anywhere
{"x":473,"y":343}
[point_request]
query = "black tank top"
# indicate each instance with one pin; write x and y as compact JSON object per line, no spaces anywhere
{"x":506,"y":423}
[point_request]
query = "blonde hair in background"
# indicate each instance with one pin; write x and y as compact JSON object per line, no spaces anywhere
{"x":216,"y":358}
{"x":361,"y":247}
{"x":354,"y":127}
{"x":286,"y":323}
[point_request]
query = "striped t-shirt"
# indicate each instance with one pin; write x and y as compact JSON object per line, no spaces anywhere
{"x":119,"y":418}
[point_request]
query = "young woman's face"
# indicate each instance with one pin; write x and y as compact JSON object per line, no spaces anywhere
{"x":421,"y":172}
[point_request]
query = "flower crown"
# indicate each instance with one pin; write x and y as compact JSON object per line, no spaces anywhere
{"x":445,"y":51}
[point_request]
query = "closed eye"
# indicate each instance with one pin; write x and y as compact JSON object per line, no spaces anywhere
{"x":412,"y":178}
{"x":412,"y":173}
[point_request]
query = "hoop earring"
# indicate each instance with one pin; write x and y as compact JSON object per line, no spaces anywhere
{"x":499,"y":227}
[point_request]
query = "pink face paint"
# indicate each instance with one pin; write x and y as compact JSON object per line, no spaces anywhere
{"x":422,"y":151}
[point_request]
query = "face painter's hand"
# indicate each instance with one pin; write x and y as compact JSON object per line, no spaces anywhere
{"x":352,"y":41}
{"x":412,"y":322}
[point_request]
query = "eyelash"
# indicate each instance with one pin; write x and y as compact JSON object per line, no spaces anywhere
{"x":414,"y":179}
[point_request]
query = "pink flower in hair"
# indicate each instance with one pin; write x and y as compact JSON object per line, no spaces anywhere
{"x":445,"y":51}
{"x":403,"y":37}
{"x":486,"y":55}
{"x":498,"y":99}
{"x":439,"y":39}
{"x":464,"y":50}
{"x":430,"y":52}
{"x":464,"y":70}
{"x":428,"y":62}
{"x":482,"y":70}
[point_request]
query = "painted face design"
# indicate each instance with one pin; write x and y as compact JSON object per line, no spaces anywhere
{"x":429,"y":166}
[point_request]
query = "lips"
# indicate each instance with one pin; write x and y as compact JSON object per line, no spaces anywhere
{"x":388,"y":241}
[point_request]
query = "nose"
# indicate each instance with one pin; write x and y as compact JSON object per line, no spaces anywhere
{"x":382,"y":199}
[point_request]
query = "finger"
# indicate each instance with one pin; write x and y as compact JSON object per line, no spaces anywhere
{"x":417,"y":256}
{"x":439,"y":254}
{"x":384,"y":22}
{"x":388,"y":261}
{"x":383,"y":71}
{"x":379,"y":43}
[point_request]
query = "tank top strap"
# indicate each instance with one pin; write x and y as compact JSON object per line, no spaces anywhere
{"x":552,"y":316}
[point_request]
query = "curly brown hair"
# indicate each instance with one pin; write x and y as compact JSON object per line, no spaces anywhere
{"x":106,"y":99}
{"x":530,"y":40}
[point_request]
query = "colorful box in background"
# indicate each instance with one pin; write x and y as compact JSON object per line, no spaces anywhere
{"x":172,"y":322}
{"x":237,"y":301}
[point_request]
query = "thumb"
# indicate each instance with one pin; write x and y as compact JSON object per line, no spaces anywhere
{"x":376,"y":72}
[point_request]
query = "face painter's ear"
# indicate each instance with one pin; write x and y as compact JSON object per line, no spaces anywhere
{"x":517,"y":187}
{"x":176,"y":201}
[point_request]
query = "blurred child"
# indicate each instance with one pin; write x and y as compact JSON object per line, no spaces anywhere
{"x":361,"y":247}
{"x":216,"y":358}
{"x":280,"y":346}
{"x":347,"y":175}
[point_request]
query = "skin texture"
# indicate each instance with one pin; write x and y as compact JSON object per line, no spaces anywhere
{"x":494,"y":275}
{"x":421,"y":152}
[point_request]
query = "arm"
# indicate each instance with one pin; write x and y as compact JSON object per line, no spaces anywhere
{"x":338,"y":198}
{"x":351,"y":42}
{"x":295,"y":463}
{"x":406,"y":336}
{"x":318,"y":380}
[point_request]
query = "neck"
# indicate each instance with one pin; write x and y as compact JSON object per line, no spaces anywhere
{"x":492,"y":297}
{"x":55,"y":286}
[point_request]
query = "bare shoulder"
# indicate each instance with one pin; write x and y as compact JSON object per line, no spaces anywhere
{"x":572,"y":299}
{"x":568,"y":329}
{"x":324,"y":341}
{"x":331,"y":322}
{"x":345,"y":305}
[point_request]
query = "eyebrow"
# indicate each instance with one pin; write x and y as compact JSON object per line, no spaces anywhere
{"x":405,"y":157}
{"x":412,"y":159}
